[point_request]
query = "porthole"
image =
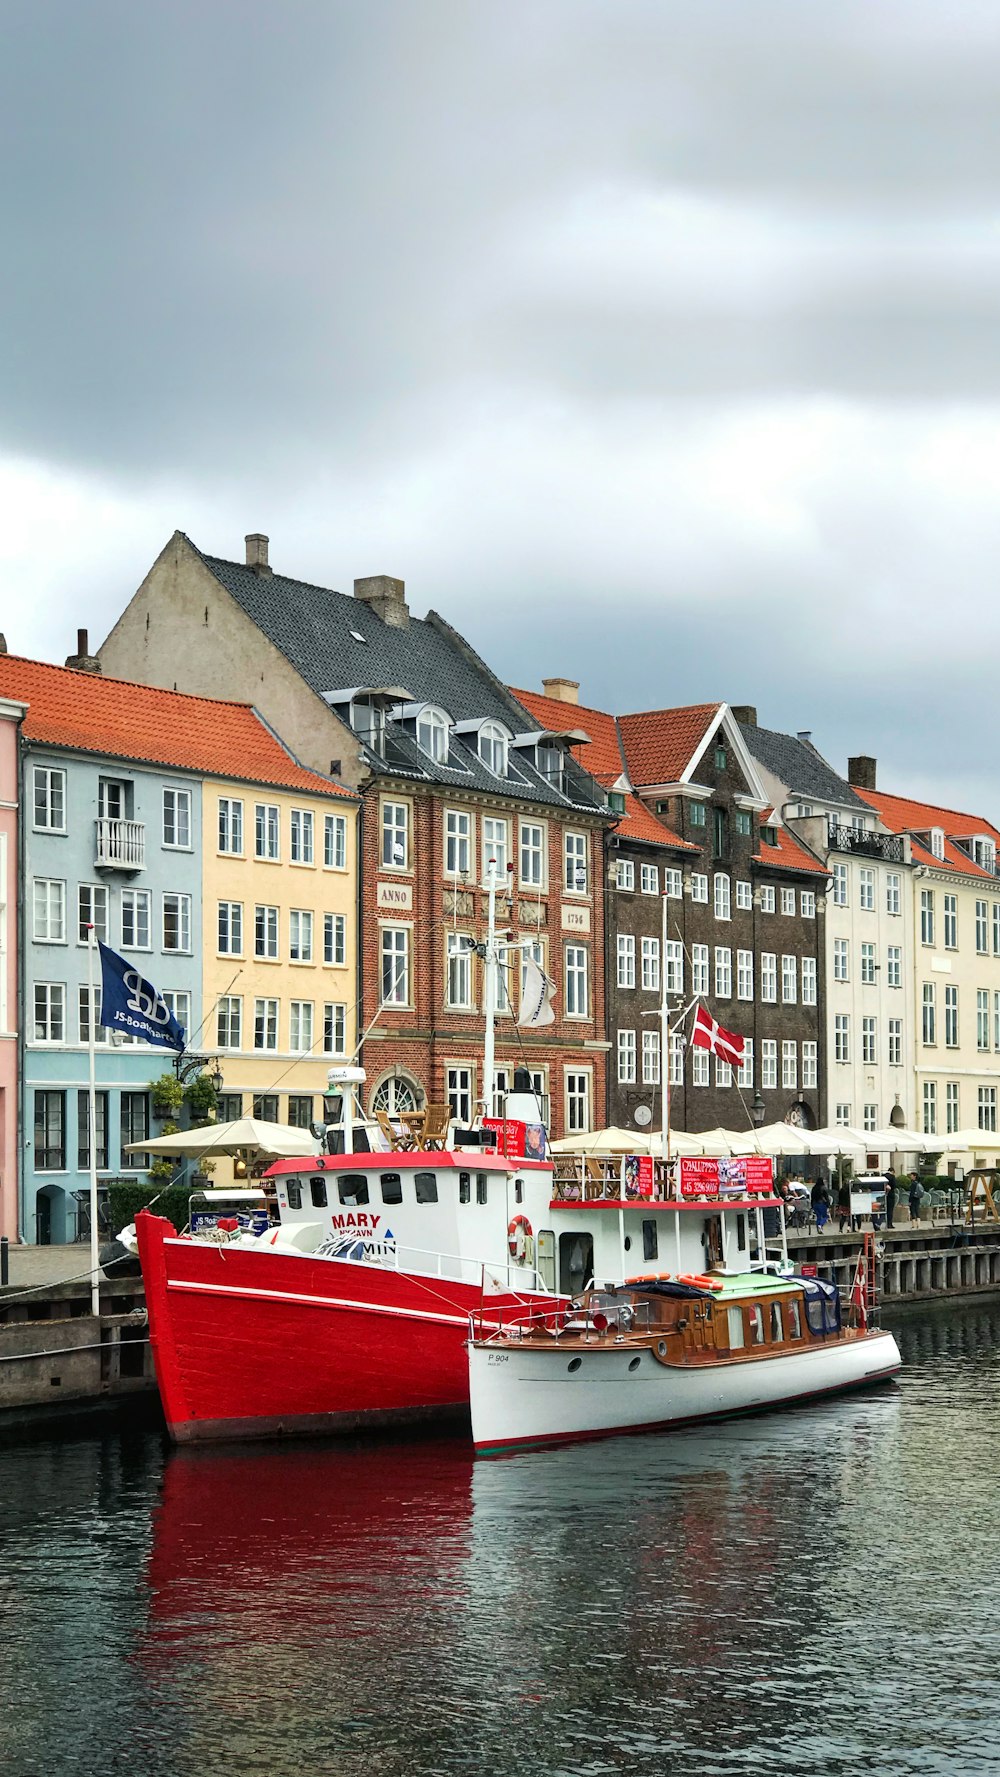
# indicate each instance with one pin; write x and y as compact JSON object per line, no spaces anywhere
{"x":574,"y":1364}
{"x":634,"y":1365}
{"x":661,"y":1346}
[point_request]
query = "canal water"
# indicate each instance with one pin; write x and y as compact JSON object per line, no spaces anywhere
{"x":811,"y":1592}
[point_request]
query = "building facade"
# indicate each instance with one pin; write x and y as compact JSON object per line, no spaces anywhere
{"x":11,"y":715}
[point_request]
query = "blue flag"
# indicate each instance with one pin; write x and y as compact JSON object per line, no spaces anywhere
{"x":131,"y":1004}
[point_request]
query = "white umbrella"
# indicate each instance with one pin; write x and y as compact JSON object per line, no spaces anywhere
{"x":775,"y":1139}
{"x":837,"y":1139}
{"x":230,"y":1138}
{"x":901,"y":1141}
{"x":976,"y":1141}
{"x":635,"y":1141}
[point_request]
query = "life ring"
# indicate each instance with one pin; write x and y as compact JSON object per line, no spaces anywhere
{"x":701,"y":1282}
{"x":518,"y":1235}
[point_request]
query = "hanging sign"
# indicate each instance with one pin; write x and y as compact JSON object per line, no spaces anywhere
{"x":735,"y":1177}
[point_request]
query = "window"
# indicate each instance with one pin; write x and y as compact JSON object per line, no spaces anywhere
{"x":649,"y":879}
{"x":532,"y":849}
{"x":673,"y":884}
{"x":789,"y":983}
{"x":768,"y":1064}
{"x":49,"y":802}
{"x":722,"y":903}
{"x":744,"y":895}
{"x":267,"y":831}
{"x":892,"y":901}
{"x":48,"y":911}
{"x":985,"y":853}
{"x":996,"y":1020}
{"x":230,"y":1021}
{"x":723,"y":973}
{"x":723,"y":1072}
{"x":982,"y":915}
{"x":869,"y":1044}
{"x":699,"y":969}
{"x":950,"y":908}
{"x":395,"y":835}
{"x":927,"y":916}
{"x":458,"y":1089}
{"x":768,"y":977}
{"x":334,"y":1028}
{"x":937,"y":842}
{"x":457,"y":842}
{"x":807,"y":902}
{"x":300,"y":935}
{"x":951,"y":1017}
{"x":265,"y":932}
{"x":809,"y":981}
{"x":625,"y":878}
{"x":777,"y":1325}
{"x":699,"y":888}
{"x":335,"y":842}
{"x":651,"y":1058}
{"x":743,"y":823}
{"x":789,"y":1066}
{"x":576,"y":872}
{"x":301,"y":847}
{"x":177,"y":922}
{"x":458,"y":970}
{"x":869,"y":1113}
{"x":230,"y":1107}
{"x":265,"y":1024}
{"x":951,"y":1122}
{"x":135,"y":919}
{"x":334,"y":938}
{"x":92,"y":910}
{"x":894,"y":965}
{"x":113,"y":798}
{"x":651,"y":965}
{"x":788,"y":901}
{"x":843,"y":1116}
{"x":810,"y":1065}
{"x":700,"y":1074}
{"x":83,"y":1130}
{"x":230,"y":928}
{"x":177,"y":1002}
{"x":842,"y":1037}
{"x":841,"y":959}
{"x":626,"y":1058}
{"x":929,"y":1013}
{"x":50,"y":1131}
{"x":300,"y":1115}
{"x":895,"y":1030}
{"x":987,"y":1109}
{"x":101,"y":1030}
{"x":134,"y":1127}
{"x":767,"y":897}
{"x":576,"y":981}
{"x":495,"y":845}
{"x":996,"y":928}
{"x":697,"y":814}
{"x":868,"y":965}
{"x":982,"y":1018}
{"x":677,"y":1059}
{"x":719,"y":835}
{"x":50,"y":1012}
{"x":577,"y":1100}
{"x":395,"y":965}
{"x":177,"y":819}
{"x":626,"y":959}
{"x":744,"y":1074}
{"x":930,"y":1107}
{"x":673,"y":963}
{"x":866,"y":888}
{"x":840,"y":885}
{"x":317,"y":1186}
{"x":300,"y":1026}
{"x":231,"y":825}
{"x":744,"y":974}
{"x":493,"y":748}
{"x":432,"y":735}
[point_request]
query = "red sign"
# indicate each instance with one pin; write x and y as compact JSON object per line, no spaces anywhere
{"x":637,"y":1175}
{"x":726,"y":1178}
{"x":522,"y":1141}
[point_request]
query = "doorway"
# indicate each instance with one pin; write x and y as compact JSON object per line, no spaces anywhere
{"x":576,"y":1262}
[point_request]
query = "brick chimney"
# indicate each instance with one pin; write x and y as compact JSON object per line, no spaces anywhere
{"x":3,"y":644}
{"x":83,"y":661}
{"x":745,"y":714}
{"x":384,"y":595}
{"x":861,"y":772}
{"x":256,"y":544}
{"x":563,"y":690}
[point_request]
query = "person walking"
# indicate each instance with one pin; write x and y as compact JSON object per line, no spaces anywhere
{"x":819,"y":1197}
{"x":890,"y":1196}
{"x":916,"y":1192}
{"x":843,"y":1203}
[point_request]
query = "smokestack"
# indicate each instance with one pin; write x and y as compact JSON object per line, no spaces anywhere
{"x":745,"y":714}
{"x":563,"y":690}
{"x":861,"y":772}
{"x":385,"y":596}
{"x":83,"y":661}
{"x":256,"y":544}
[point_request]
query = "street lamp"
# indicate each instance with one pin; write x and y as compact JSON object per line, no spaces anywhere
{"x":758,"y":1110}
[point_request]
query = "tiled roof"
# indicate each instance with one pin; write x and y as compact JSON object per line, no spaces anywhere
{"x":797,"y":765}
{"x":901,"y":814}
{"x":788,"y":854}
{"x":659,"y":744}
{"x":119,"y":720}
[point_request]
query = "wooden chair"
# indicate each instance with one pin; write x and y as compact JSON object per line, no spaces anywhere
{"x":392,"y":1129}
{"x":413,"y":1123}
{"x":437,"y":1122}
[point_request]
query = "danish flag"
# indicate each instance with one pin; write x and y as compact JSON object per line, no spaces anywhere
{"x":706,"y":1033}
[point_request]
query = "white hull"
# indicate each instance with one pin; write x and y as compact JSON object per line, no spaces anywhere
{"x":525,"y":1396}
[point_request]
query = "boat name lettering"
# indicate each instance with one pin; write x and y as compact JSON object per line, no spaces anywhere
{"x":359,"y":1220}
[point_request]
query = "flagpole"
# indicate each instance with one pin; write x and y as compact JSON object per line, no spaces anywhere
{"x":489,"y":990}
{"x":95,"y":1282}
{"x":665,"y":1040}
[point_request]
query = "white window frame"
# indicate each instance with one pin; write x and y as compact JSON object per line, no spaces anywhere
{"x":335,"y":940}
{"x":267,"y":832}
{"x":395,"y":949}
{"x":54,"y":779}
{"x":576,"y":863}
{"x":578,"y":1097}
{"x":335,"y":842}
{"x":182,"y":912}
{"x":810,"y":981}
{"x":301,"y":837}
{"x":699,"y":888}
{"x":140,"y":901}
{"x":395,"y":835}
{"x":723,"y":895}
{"x":531,"y":848}
{"x":179,"y":819}
{"x":769,"y":978}
{"x":744,"y":895}
{"x":266,"y":939}
{"x":625,"y":876}
{"x":458,"y":971}
{"x":48,"y":910}
{"x":723,"y":972}
{"x":496,"y":844}
{"x":458,"y":854}
{"x":626,"y":1058}
{"x":301,"y":1026}
{"x":229,"y":1021}
{"x":265,"y":1024}
{"x":576,"y":973}
{"x":229,"y":929}
{"x":650,"y":977}
{"x":230,"y":832}
{"x":789,"y":980}
{"x":701,"y":958}
{"x":626,"y":960}
{"x":649,"y":879}
{"x":301,"y":934}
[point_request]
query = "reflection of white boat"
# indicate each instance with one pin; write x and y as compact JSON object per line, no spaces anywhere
{"x":654,"y":1355}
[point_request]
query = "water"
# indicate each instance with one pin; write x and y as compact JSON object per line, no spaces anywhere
{"x":810,"y":1592}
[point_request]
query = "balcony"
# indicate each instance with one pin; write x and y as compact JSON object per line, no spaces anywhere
{"x":886,"y":846}
{"x":121,"y":845}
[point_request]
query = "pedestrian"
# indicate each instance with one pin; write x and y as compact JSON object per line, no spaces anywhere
{"x":916,"y":1192}
{"x":890,"y":1196}
{"x":819,"y":1197}
{"x":844,"y":1202}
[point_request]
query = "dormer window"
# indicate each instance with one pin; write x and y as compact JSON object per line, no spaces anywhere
{"x":985,"y":853}
{"x":493,"y":748}
{"x":368,"y":722}
{"x":937,"y":842}
{"x":432,"y":734}
{"x":550,"y":760}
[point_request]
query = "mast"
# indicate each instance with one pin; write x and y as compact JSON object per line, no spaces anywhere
{"x":664,"y":1037}
{"x":490,"y":990}
{"x":95,"y":1282}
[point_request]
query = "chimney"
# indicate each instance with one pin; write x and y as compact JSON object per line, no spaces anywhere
{"x":563,"y":690}
{"x":83,"y":661}
{"x":745,"y":714}
{"x":384,"y":595}
{"x":861,"y":772}
{"x":3,"y":644}
{"x":256,"y":544}
{"x":804,"y":734}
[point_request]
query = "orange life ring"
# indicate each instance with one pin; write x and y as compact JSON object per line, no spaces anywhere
{"x":518,"y":1235}
{"x":701,"y":1282}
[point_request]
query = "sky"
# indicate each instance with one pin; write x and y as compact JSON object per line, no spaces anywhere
{"x":653,"y":344}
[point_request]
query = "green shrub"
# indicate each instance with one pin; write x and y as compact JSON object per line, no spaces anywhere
{"x":167,"y":1095}
{"x":202,"y":1099}
{"x":127,"y":1196}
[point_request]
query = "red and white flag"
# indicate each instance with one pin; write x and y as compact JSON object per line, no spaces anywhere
{"x":706,"y":1033}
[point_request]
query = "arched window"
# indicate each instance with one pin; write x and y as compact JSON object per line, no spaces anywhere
{"x":396,"y":1094}
{"x":432,"y":734}
{"x":493,"y":748}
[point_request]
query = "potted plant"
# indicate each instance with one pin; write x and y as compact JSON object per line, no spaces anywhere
{"x":202,"y":1099}
{"x":167,"y":1096}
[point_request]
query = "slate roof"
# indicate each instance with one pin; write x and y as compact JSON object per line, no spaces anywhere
{"x":120,"y":720}
{"x":797,"y":764}
{"x":901,"y":814}
{"x":317,"y":629}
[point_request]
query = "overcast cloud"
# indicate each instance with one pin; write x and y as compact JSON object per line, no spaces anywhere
{"x":653,"y":344}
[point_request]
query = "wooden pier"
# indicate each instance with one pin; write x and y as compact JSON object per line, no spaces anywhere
{"x":919,"y":1262}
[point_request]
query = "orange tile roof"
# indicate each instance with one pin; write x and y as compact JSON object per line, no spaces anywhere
{"x":901,"y":814}
{"x":659,"y":744}
{"x":93,"y":714}
{"x":788,"y":854}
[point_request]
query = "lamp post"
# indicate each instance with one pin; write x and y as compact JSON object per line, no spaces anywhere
{"x":758,"y":1110}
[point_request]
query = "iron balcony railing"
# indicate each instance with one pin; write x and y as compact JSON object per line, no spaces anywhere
{"x":121,"y":845}
{"x":887,"y":846}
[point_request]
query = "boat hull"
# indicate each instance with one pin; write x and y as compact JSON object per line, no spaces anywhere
{"x":526,"y":1397}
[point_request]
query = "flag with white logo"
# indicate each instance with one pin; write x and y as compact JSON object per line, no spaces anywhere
{"x":536,"y":997}
{"x":707,"y":1033}
{"x":132,"y":1005}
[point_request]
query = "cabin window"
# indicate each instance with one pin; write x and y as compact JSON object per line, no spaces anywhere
{"x":392,"y":1188}
{"x":755,"y":1314}
{"x":649,"y":1244}
{"x":294,"y":1194}
{"x":352,"y":1189}
{"x":465,"y":1187}
{"x":519,"y":1190}
{"x":741,"y":1234}
{"x":317,"y":1191}
{"x":736,"y":1338}
{"x":777,"y":1327}
{"x":426,"y":1186}
{"x":794,"y":1320}
{"x":481,"y":1187}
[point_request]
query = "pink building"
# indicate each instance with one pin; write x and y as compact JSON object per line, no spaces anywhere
{"x":11,"y":715}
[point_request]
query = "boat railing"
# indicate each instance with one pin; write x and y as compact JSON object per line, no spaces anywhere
{"x":587,"y":1178}
{"x":508,"y":1275}
{"x":602,"y":1317}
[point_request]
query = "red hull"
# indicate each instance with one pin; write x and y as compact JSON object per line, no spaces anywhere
{"x":253,"y":1345}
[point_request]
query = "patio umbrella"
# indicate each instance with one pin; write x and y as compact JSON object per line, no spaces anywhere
{"x":775,"y":1139}
{"x":837,"y":1139}
{"x":634,"y":1141}
{"x":901,"y":1141}
{"x":245,"y":1133}
{"x":976,"y":1141}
